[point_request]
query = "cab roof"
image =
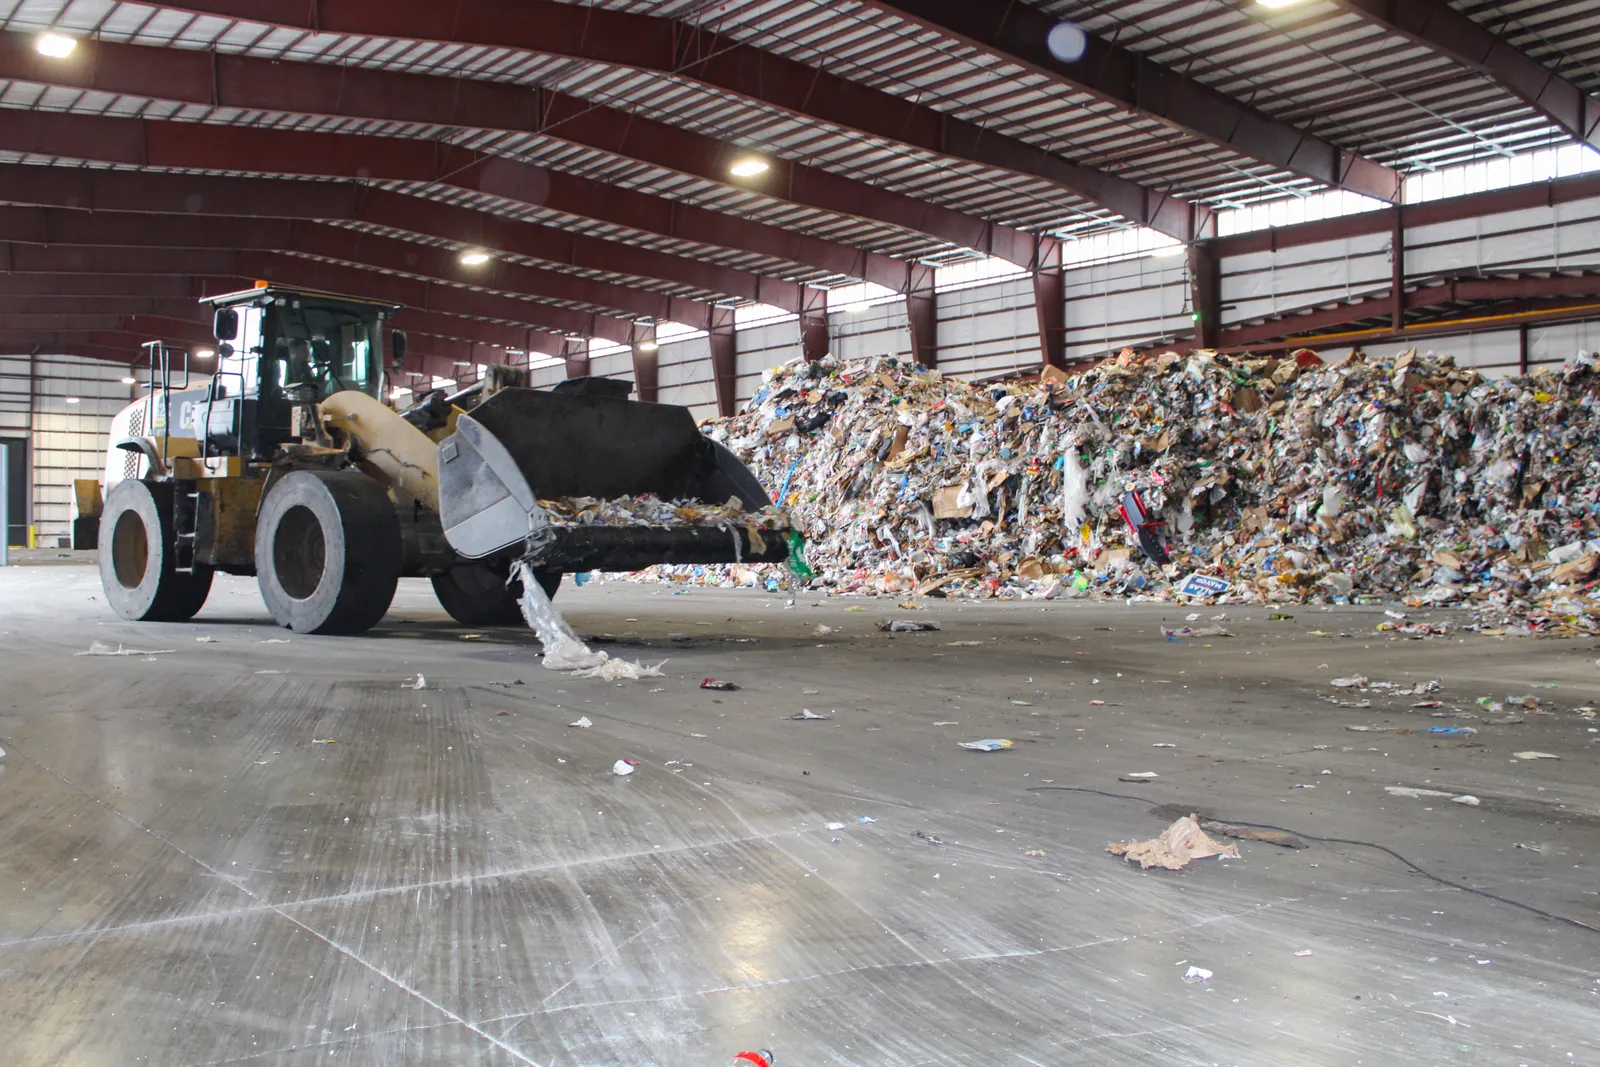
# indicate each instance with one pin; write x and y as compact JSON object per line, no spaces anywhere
{"x":267,"y":291}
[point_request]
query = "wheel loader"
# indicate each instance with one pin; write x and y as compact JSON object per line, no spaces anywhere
{"x":283,"y":461}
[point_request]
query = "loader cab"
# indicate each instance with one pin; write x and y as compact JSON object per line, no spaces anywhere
{"x":281,"y":351}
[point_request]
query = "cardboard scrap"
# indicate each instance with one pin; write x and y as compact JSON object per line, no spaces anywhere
{"x":1178,"y":844}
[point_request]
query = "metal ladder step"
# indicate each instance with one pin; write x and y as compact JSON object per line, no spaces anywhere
{"x":183,"y":550}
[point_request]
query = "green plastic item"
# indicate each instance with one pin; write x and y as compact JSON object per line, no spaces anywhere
{"x":797,"y":556}
{"x":1080,"y":581}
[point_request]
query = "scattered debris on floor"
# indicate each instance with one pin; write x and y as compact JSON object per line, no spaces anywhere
{"x":906,"y":626}
{"x":1197,"y":974}
{"x":718,"y":684}
{"x":100,"y":648}
{"x":1281,"y":838}
{"x":563,"y":651}
{"x":623,"y":766}
{"x":206,"y":640}
{"x":420,"y":683}
{"x":1178,"y":844}
{"x":1418,"y":794}
{"x":929,"y":838}
{"x":761,"y":1058}
{"x":988,"y":744}
{"x":807,"y":715}
{"x":1536,"y":755}
{"x":583,"y":722}
{"x":1138,"y":777}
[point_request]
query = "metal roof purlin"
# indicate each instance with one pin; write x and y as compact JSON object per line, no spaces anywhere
{"x":666,"y":46}
{"x":1014,"y":31}
{"x":1436,"y":25}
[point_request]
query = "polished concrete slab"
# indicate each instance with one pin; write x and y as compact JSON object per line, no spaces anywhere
{"x":261,"y":848}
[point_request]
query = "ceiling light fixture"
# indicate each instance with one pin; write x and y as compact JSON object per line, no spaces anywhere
{"x":749,"y":167}
{"x":474,"y":258}
{"x":72,"y":400}
{"x":203,"y":353}
{"x":130,"y":381}
{"x":1275,"y":4}
{"x":647,"y":346}
{"x":853,"y":309}
{"x":54,"y":45}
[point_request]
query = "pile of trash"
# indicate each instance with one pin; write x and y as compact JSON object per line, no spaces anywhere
{"x":651,"y":510}
{"x":1276,"y":479}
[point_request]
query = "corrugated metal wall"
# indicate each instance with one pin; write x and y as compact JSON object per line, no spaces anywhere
{"x":66,"y":441}
{"x":1564,"y":236}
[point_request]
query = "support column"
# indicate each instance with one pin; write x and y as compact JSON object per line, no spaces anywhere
{"x":813,"y":323}
{"x":922,"y":315}
{"x":1205,"y":293}
{"x":1522,"y":349}
{"x":1050,"y":302}
{"x":1397,"y":271}
{"x":575,"y":350}
{"x":724,"y":359}
{"x":647,"y":365}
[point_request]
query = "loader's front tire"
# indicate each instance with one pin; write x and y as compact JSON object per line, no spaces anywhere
{"x":137,"y":556}
{"x":478,"y":594}
{"x":328,"y":552}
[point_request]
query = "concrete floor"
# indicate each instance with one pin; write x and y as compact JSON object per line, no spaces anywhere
{"x":275,"y":853}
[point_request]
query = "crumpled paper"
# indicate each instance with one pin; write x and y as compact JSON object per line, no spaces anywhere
{"x":1178,"y":844}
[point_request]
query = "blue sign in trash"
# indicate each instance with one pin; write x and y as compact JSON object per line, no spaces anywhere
{"x":1203,"y":585}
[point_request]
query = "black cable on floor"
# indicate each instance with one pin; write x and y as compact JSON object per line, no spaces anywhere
{"x":1552,"y":916}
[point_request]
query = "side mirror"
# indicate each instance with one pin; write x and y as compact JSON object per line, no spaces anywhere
{"x":226,"y":324}
{"x":397,"y":341}
{"x":224,"y":351}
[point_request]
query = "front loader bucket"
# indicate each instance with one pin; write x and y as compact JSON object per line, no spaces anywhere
{"x":524,"y":445}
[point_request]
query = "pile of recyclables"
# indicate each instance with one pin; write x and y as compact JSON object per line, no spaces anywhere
{"x":1250,"y":480}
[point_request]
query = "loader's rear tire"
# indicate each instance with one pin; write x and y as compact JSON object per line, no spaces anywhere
{"x":137,"y":556}
{"x":328,"y":552}
{"x":477,"y":594}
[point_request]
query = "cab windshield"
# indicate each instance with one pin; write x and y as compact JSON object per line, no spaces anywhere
{"x":321,"y":348}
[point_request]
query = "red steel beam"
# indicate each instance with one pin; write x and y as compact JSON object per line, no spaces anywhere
{"x":1295,"y":327}
{"x":436,"y":357}
{"x":202,"y":194}
{"x":1205,"y":292}
{"x":1436,"y":25}
{"x":1019,"y":33}
{"x":64,"y":345}
{"x":252,"y":83}
{"x":96,"y":286}
{"x":1050,"y":302}
{"x":425,"y":295}
{"x":11,"y":307}
{"x":724,"y":344}
{"x":118,"y":292}
{"x":271,"y":150}
{"x":666,"y":46}
{"x":112,"y":228}
{"x":1451,"y":209}
{"x":814,"y":339}
{"x":922,"y":319}
{"x":57,"y":259}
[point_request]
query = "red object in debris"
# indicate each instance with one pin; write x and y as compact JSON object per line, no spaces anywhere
{"x":760,"y":1059}
{"x":717,"y":683}
{"x":1307,"y":358}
